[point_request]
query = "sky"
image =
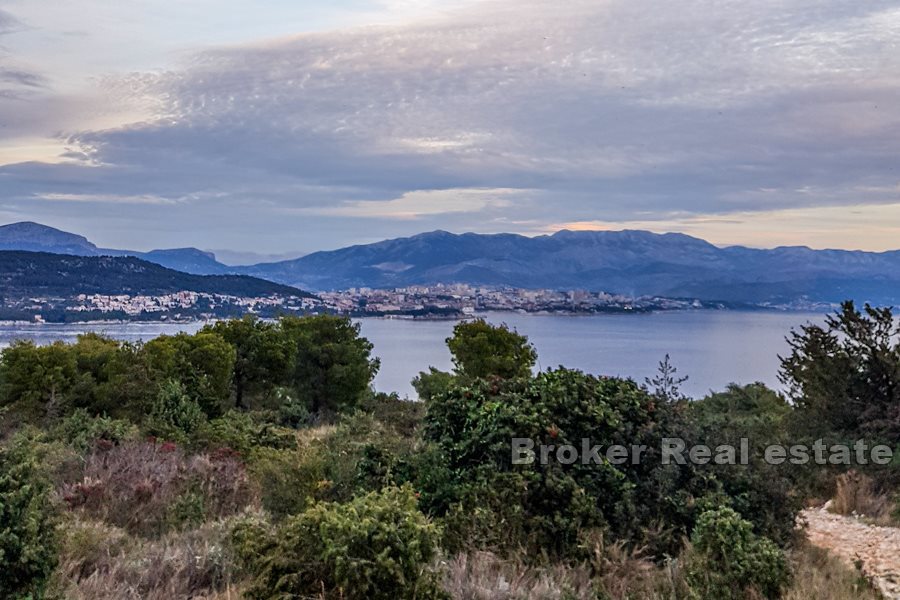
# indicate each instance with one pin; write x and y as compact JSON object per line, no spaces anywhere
{"x":261,"y":128}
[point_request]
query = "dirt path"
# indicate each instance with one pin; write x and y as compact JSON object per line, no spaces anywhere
{"x":875,"y":549}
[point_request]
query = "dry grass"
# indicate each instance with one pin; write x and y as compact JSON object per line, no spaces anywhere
{"x":101,"y":562}
{"x":613,"y":573}
{"x":484,"y":576}
{"x":857,"y":494}
{"x":149,"y":488}
{"x":822,"y":576}
{"x":308,"y":435}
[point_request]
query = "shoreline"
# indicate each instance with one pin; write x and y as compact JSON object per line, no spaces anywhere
{"x":460,"y":317}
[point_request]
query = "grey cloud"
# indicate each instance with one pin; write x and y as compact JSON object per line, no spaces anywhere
{"x":601,"y":110}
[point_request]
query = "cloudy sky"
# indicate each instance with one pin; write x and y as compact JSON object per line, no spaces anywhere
{"x":287,"y":126}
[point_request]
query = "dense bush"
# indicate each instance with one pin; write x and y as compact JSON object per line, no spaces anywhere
{"x":289,"y":479}
{"x":729,"y":562}
{"x":242,"y":432}
{"x":81,"y":431}
{"x":27,"y":524}
{"x":472,"y":427}
{"x":173,"y":415}
{"x":762,"y":493}
{"x":375,"y":546}
{"x":202,"y":363}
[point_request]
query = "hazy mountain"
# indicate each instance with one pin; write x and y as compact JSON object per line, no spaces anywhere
{"x":31,"y":274}
{"x":40,"y":238}
{"x":35,"y":237}
{"x":628,"y":262}
{"x":631,"y":262}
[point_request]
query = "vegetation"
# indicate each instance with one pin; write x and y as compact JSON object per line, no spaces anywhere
{"x":27,"y":528}
{"x":252,"y":459}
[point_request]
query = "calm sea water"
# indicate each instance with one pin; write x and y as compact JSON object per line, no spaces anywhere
{"x":713,"y":348}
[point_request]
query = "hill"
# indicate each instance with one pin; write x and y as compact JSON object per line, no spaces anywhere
{"x":629,"y":262}
{"x":37,"y":274}
{"x":34,"y":237}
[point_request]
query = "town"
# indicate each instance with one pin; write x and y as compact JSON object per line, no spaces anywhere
{"x":441,"y":301}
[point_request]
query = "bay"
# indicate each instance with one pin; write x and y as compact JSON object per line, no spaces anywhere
{"x":713,"y":348}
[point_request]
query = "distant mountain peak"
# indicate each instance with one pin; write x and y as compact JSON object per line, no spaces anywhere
{"x":28,"y":235}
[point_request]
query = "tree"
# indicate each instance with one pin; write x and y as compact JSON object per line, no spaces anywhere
{"x":263,"y":356}
{"x":666,"y":384}
{"x":844,"y":377}
{"x":203,"y":363}
{"x":27,"y":525}
{"x":36,"y":380}
{"x":432,"y":383}
{"x":333,"y":366}
{"x":481,"y":350}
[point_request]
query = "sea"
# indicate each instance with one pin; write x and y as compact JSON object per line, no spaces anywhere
{"x":711,"y":347}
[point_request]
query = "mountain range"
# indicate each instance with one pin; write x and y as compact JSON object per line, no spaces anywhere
{"x":626,"y":262}
{"x":35,"y":237}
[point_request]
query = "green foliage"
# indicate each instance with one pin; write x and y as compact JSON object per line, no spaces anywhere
{"x":433,"y":383}
{"x":471,"y":428}
{"x":242,"y":432}
{"x":729,"y":561}
{"x":37,"y":380}
{"x":203,"y":363}
{"x":402,"y":416}
{"x":81,"y":431}
{"x":378,"y":546}
{"x":844,"y":377}
{"x":27,"y":524}
{"x":174,"y":416}
{"x":482,"y":350}
{"x":292,"y":412}
{"x":99,"y":375}
{"x":762,"y":493}
{"x":333,"y":366}
{"x":289,"y":480}
{"x":263,"y":356}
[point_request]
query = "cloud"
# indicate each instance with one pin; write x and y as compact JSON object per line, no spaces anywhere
{"x":16,"y":81}
{"x":104,"y":199}
{"x":604,"y":111}
{"x":422,"y":203}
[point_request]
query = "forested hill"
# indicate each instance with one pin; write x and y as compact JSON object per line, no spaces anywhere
{"x":34,"y":274}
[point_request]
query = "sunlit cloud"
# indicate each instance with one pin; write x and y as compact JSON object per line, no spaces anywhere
{"x":820,"y":227}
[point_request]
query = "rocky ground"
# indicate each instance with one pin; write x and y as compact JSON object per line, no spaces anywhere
{"x":874,"y":549}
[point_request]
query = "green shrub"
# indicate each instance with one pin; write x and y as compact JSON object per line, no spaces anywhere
{"x":761,"y":492}
{"x":80,"y":430}
{"x":729,"y":561}
{"x":471,"y":427}
{"x":289,"y":480}
{"x":376,"y":546}
{"x":242,"y":432}
{"x":173,"y":415}
{"x":27,"y":525}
